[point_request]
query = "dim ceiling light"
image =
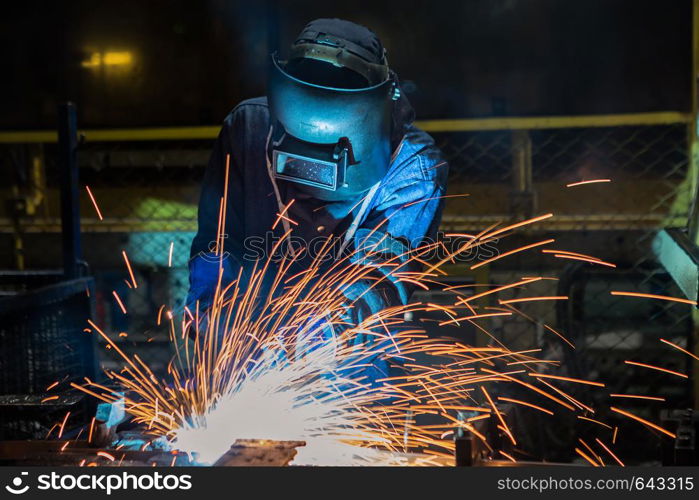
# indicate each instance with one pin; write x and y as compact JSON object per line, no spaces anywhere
{"x":109,"y":58}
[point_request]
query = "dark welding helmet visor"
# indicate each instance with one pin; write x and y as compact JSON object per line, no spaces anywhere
{"x":336,"y":141}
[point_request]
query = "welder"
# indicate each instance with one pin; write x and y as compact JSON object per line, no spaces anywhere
{"x":335,"y":135}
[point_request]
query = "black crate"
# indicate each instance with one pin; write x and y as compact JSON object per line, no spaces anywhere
{"x":42,"y":340}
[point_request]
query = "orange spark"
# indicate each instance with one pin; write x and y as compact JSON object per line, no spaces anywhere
{"x":530,"y":405}
{"x":610,"y":452}
{"x":582,"y":183}
{"x":516,"y":250}
{"x":658,"y":368}
{"x":519,"y":224}
{"x":169,"y":257}
{"x":121,"y":304}
{"x":128,"y":265}
{"x":680,"y":349}
{"x":587,"y":458}
{"x":106,"y":455}
{"x":584,"y":259}
{"x":636,"y":396}
{"x":474,"y":316}
{"x":63,"y":425}
{"x":592,"y":452}
{"x":281,"y":215}
{"x":160,"y":313}
{"x":567,"y":379}
{"x":653,"y":296}
{"x":94,"y":203}
{"x":643,"y":421}
{"x":52,"y":386}
{"x":594,"y":421}
{"x":499,"y":415}
{"x":499,"y":289}
{"x":567,"y":252}
{"x":92,"y":427}
{"x":49,"y":398}
{"x":533,"y":299}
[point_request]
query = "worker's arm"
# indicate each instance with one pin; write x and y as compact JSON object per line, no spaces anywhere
{"x":406,"y":216}
{"x":204,"y":261}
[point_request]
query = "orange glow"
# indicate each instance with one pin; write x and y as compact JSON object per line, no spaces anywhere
{"x":108,"y":58}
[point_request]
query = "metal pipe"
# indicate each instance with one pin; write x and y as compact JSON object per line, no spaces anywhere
{"x":522,"y":197}
{"x":70,"y":209}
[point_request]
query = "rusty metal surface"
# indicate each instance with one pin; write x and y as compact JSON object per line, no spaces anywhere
{"x":39,"y":399}
{"x":57,"y":453}
{"x":253,"y":452}
{"x":52,"y":453}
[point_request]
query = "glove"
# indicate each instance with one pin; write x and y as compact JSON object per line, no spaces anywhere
{"x":203,"y":279}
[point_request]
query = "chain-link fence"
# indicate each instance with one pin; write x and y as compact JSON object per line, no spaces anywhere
{"x":616,"y":221}
{"x":147,"y":193}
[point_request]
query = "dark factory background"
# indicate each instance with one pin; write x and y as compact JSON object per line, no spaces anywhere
{"x":523,"y":97}
{"x":190,"y":62}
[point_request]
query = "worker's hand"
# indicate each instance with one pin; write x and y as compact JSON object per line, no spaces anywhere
{"x":204,"y":270}
{"x":365,"y":298}
{"x":317,"y":339}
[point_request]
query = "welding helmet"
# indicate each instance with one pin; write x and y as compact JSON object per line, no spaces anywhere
{"x":331,"y":105}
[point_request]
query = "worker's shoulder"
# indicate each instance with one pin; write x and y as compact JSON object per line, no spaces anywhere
{"x":418,"y":150}
{"x":254,"y":109}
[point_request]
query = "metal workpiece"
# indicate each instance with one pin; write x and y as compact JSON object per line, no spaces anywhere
{"x":679,"y":255}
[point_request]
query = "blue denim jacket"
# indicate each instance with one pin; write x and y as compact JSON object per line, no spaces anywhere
{"x":406,"y":206}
